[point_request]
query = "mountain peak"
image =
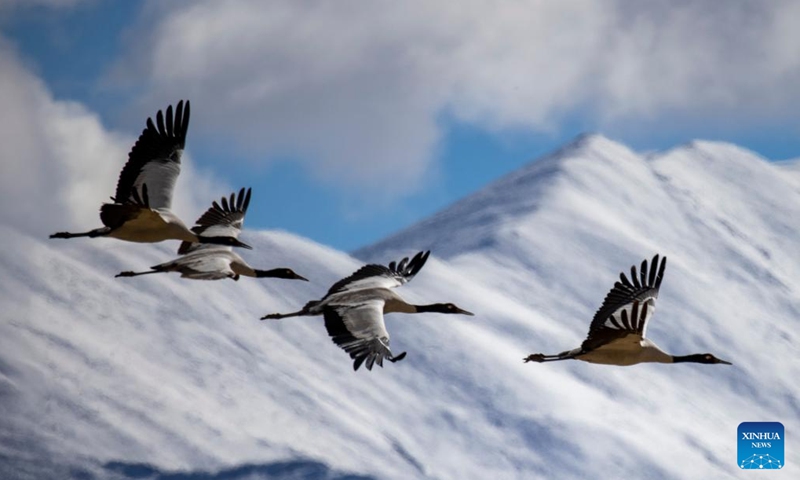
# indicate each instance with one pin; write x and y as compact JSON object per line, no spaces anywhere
{"x":586,"y":145}
{"x":589,"y":163}
{"x":589,"y":140}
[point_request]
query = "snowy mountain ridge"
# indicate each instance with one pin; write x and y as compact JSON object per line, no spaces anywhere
{"x":157,"y":376}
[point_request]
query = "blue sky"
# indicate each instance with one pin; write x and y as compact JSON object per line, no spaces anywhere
{"x":351,"y":120}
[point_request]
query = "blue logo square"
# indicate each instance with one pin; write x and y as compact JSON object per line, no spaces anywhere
{"x":760,"y":445}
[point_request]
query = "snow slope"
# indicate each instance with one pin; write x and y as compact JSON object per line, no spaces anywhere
{"x":162,"y":377}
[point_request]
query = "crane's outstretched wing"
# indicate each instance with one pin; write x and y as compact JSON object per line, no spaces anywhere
{"x":361,"y":332}
{"x":379,"y":276}
{"x":155,"y":159}
{"x":224,"y":219}
{"x":628,"y":306}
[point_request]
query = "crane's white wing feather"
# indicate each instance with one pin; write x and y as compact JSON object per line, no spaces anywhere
{"x":155,"y":159}
{"x":359,"y":330}
{"x":628,"y":307}
{"x":379,"y":276}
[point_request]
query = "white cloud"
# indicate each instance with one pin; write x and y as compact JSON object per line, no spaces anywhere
{"x":60,"y":163}
{"x":357,"y":88}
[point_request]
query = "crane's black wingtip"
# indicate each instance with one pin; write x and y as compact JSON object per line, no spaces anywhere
{"x":357,"y":363}
{"x":416,"y":263}
{"x":398,"y":357}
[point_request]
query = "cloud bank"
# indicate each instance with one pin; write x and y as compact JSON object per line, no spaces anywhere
{"x":359,"y":90}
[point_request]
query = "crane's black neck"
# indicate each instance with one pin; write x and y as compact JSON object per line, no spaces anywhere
{"x":434,"y":307}
{"x":215,"y":240}
{"x":274,"y":273}
{"x":695,"y":358}
{"x":279,"y":273}
{"x":706,"y":358}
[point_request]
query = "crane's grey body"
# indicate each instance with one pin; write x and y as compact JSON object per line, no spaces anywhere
{"x":624,"y":351}
{"x":390,"y":302}
{"x":150,"y":225}
{"x":216,"y":264}
{"x":354,"y":309}
{"x":617,"y":332}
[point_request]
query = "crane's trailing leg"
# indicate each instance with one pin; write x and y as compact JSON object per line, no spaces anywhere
{"x":278,"y":316}
{"x":136,"y":274}
{"x":97,"y":232}
{"x":540,"y":357}
{"x":307,"y":310}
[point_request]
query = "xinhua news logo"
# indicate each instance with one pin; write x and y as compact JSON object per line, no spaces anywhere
{"x":760,"y":446}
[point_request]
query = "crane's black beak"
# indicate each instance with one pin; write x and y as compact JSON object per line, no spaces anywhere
{"x":299,"y":277}
{"x":241,"y":244}
{"x":464,"y":312}
{"x":723,"y":362}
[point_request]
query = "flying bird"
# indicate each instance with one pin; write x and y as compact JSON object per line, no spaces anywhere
{"x":617,"y":333}
{"x":354,"y":307}
{"x":141,"y":209}
{"x":214,"y":262}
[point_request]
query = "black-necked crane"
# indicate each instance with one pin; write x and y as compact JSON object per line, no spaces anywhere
{"x":353,"y":309}
{"x":215,"y":262}
{"x":141,"y":209}
{"x":617,"y":332}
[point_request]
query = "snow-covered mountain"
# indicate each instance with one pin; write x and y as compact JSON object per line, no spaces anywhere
{"x":161,"y":377}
